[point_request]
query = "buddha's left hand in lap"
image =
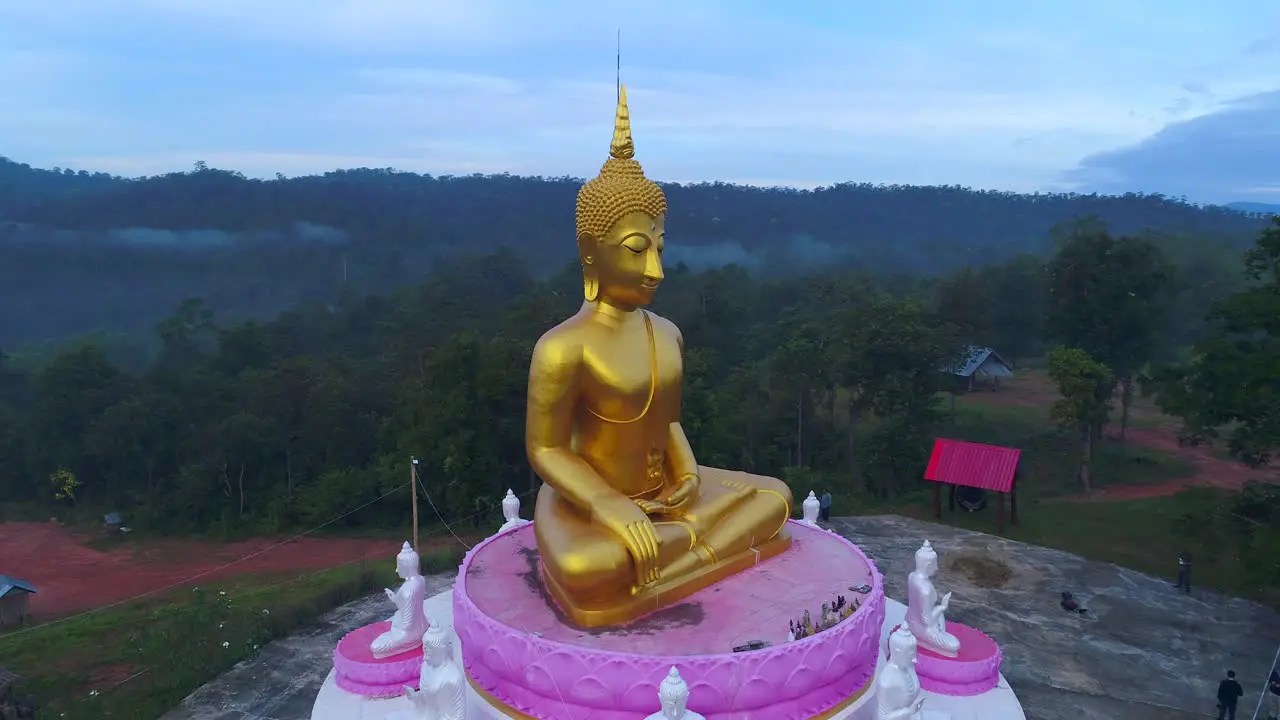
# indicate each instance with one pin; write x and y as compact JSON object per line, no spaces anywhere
{"x":685,"y":492}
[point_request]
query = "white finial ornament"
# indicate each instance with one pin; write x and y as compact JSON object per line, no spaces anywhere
{"x":898,"y":694}
{"x":441,"y":693}
{"x":511,"y":512}
{"x":810,"y":507}
{"x":409,"y":622}
{"x":926,"y":612}
{"x":673,"y":694}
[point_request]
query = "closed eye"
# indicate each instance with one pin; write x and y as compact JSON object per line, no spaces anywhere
{"x":634,"y":250}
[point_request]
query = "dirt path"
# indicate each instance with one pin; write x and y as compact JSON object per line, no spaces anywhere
{"x":71,"y":576}
{"x":1209,"y":470}
{"x":1150,"y":429}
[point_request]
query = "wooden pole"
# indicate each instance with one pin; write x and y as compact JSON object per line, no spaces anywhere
{"x":937,"y":500}
{"x":413,"y":493}
{"x":1013,"y":501}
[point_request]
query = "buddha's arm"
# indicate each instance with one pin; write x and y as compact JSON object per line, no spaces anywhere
{"x":553,"y":384}
{"x":680,"y":459}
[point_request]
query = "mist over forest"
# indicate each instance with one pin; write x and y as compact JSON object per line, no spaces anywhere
{"x":89,"y":253}
{"x":211,"y":353}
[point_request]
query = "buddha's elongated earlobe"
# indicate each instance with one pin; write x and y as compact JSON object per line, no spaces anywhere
{"x":590,"y":280}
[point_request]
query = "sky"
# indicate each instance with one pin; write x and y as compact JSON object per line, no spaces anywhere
{"x":1180,"y":97}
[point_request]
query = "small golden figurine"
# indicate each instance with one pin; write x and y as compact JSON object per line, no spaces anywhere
{"x":827,"y":619}
{"x":626,"y":520}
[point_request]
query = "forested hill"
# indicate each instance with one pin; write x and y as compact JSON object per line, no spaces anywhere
{"x":86,"y":252}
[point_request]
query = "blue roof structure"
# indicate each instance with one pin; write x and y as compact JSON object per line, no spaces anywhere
{"x":112,"y":518}
{"x":8,"y":585}
{"x":980,"y":355}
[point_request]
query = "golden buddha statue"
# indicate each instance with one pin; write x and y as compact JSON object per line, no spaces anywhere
{"x":626,"y":520}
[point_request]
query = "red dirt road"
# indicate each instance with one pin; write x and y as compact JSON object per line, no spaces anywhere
{"x":1157,"y":432}
{"x":70,"y":576}
{"x":1208,"y":469}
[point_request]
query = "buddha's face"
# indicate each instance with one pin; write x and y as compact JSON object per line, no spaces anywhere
{"x":627,"y":261}
{"x":927,"y":565}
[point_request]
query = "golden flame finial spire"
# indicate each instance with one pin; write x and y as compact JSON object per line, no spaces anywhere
{"x":622,"y":147}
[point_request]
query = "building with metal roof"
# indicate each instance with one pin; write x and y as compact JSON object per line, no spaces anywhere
{"x":960,"y":463}
{"x":982,"y":363}
{"x":14,"y":600}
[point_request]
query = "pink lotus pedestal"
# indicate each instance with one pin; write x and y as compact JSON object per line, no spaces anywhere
{"x":357,"y":671}
{"x":522,"y":655}
{"x":974,"y":671}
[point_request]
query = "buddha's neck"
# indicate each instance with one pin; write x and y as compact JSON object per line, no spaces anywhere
{"x":614,"y":314}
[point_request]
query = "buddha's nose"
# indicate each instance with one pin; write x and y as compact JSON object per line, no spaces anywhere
{"x":653,"y":268}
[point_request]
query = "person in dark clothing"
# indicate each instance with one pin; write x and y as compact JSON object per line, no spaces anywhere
{"x":1273,"y":694}
{"x":1184,"y":572}
{"x":824,"y":507}
{"x":1229,"y":694}
{"x":1069,"y":604}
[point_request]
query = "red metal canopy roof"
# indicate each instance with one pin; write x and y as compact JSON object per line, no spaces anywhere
{"x":970,"y":464}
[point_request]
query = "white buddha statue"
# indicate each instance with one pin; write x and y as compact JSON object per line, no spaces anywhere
{"x":810,"y":508}
{"x":511,"y":512}
{"x":673,"y":693}
{"x":442,"y":691}
{"x":409,"y":622}
{"x":898,"y":695}
{"x":926,"y":613}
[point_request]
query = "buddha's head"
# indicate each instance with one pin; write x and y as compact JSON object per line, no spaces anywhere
{"x":408,"y":564}
{"x":621,"y":218}
{"x":673,"y":693}
{"x":926,"y":560}
{"x":436,"y":647}
{"x":903,"y":647}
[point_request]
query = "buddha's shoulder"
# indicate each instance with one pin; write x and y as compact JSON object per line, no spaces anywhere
{"x":562,"y":342}
{"x":665,"y":327}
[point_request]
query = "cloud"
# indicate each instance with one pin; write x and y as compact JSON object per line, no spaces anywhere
{"x":1007,"y":96}
{"x":1230,"y":154}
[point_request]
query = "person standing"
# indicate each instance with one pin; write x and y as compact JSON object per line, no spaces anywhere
{"x":1229,"y":694}
{"x":1184,"y":572}
{"x":824,"y":507}
{"x":1273,"y":694}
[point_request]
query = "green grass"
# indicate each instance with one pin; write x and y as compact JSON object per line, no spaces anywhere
{"x":143,"y":658}
{"x":1146,"y":535}
{"x":1050,"y":456}
{"x":1231,"y":554}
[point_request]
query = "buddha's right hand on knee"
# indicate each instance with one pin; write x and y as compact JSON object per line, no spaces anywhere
{"x":621,"y":516}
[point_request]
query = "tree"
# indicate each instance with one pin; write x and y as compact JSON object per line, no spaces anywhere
{"x":1107,"y":297}
{"x":1017,"y":291}
{"x":64,"y":484}
{"x":965,"y":301}
{"x":892,"y":365}
{"x":1084,"y":388}
{"x":1231,"y":388}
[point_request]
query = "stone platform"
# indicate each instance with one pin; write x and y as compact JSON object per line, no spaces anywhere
{"x":520,"y":651}
{"x":1060,"y":670}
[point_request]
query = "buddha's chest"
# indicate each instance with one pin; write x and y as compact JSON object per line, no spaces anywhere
{"x":631,"y":377}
